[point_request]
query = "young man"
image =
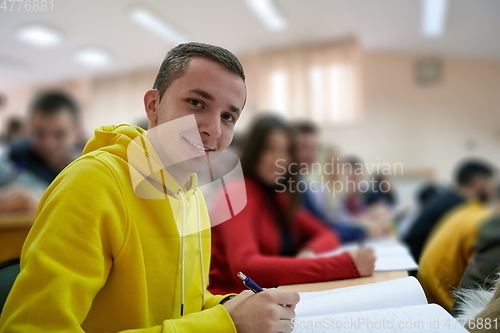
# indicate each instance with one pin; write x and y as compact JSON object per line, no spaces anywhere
{"x":122,"y":237}
{"x":54,"y":122}
{"x":33,"y":162}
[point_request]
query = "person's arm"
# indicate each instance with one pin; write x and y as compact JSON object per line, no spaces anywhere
{"x":241,"y":242}
{"x":80,"y":228}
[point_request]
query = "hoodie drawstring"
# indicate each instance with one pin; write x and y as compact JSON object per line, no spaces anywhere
{"x":179,"y":192}
{"x":203,"y":285}
{"x":182,"y":250}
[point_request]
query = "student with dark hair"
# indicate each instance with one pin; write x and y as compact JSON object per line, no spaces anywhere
{"x":121,"y":242}
{"x":33,"y":161}
{"x":424,"y":194}
{"x":14,"y":130}
{"x":273,"y":239}
{"x":473,"y":178}
{"x":54,"y":124}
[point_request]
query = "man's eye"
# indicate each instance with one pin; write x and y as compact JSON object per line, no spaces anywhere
{"x":195,"y":102}
{"x":228,"y":117}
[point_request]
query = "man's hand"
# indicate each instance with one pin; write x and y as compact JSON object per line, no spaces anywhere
{"x":270,"y":311}
{"x":364,"y":260}
{"x":17,"y":199}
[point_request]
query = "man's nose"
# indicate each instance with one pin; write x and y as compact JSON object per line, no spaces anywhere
{"x":209,"y":126}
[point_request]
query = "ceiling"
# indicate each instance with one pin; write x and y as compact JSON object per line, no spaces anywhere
{"x":387,"y":25}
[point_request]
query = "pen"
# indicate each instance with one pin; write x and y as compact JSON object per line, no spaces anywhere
{"x":249,"y":283}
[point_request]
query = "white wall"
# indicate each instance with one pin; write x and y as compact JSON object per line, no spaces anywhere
{"x":424,"y":127}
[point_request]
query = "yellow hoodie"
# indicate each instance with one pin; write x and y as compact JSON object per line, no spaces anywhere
{"x":101,"y":258}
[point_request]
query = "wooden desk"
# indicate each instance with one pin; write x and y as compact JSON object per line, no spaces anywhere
{"x":13,"y":231}
{"x":376,"y":277}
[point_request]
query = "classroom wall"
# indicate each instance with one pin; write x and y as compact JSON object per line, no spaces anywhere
{"x":428,"y":127}
{"x":424,"y":126}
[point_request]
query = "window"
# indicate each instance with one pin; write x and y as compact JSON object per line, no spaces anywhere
{"x":332,"y":93}
{"x":319,"y":82}
{"x":279,"y":91}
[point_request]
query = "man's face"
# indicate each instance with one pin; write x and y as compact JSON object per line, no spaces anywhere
{"x":215,"y":97}
{"x":307,"y":148}
{"x":53,"y":135}
{"x":484,"y":187}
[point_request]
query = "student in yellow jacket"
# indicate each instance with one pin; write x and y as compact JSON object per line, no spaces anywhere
{"x":448,"y":252}
{"x":121,"y":241}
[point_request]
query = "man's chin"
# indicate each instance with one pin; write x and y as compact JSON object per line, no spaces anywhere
{"x":194,"y":165}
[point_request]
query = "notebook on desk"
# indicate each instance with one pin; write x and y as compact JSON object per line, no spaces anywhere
{"x":390,"y":255}
{"x":396,"y":305}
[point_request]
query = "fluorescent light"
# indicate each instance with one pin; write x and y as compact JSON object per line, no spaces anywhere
{"x":267,"y":13}
{"x":156,"y":25}
{"x":39,"y":35}
{"x":434,"y":17}
{"x":93,"y":57}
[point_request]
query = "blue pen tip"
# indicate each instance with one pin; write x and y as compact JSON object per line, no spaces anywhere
{"x":242,"y":276}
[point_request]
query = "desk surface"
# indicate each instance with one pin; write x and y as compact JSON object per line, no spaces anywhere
{"x":13,"y":231}
{"x":16,"y":221}
{"x":376,"y":277}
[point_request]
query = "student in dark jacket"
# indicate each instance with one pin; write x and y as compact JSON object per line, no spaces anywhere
{"x":54,"y":127}
{"x":273,"y":239}
{"x":473,"y":180}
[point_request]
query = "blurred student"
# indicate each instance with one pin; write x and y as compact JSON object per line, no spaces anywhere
{"x":472,"y":180}
{"x":354,"y":199}
{"x":106,"y":253}
{"x":307,"y":140}
{"x":424,"y":194}
{"x":448,"y":251}
{"x":14,"y":130}
{"x":34,"y":161}
{"x":273,"y":239}
{"x":484,"y":266}
{"x":380,"y":191}
{"x":54,"y":122}
{"x":374,"y":220}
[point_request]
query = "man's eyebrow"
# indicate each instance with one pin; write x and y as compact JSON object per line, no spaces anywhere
{"x":203,"y":94}
{"x":208,"y":96}
{"x":235,"y":109}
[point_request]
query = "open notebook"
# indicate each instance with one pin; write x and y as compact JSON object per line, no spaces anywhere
{"x":391,"y":255}
{"x":391,"y":306}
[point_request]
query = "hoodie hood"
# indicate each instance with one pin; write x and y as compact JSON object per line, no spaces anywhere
{"x":147,"y":171}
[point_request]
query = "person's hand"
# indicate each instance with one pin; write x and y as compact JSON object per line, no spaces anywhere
{"x":17,"y":199}
{"x":364,"y":259}
{"x":306,"y":254}
{"x":270,"y":311}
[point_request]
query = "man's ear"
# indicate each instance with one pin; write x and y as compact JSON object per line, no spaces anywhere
{"x":151,"y":106}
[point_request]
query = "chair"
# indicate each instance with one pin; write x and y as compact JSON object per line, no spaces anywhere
{"x":8,"y":273}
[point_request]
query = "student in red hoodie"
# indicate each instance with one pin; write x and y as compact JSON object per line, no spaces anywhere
{"x":272,"y":239}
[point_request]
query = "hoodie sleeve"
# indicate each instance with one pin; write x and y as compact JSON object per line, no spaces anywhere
{"x":69,"y":253}
{"x":214,"y":300}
